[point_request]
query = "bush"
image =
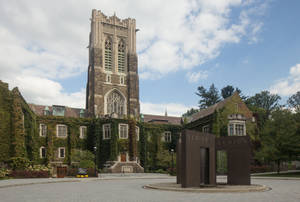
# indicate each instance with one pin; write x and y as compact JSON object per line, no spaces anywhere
{"x":39,"y":168}
{"x":4,"y":172}
{"x":172,"y":171}
{"x":86,"y":164}
{"x":29,"y":174}
{"x":260,"y":169}
{"x":161,"y":171}
{"x":19,"y":163}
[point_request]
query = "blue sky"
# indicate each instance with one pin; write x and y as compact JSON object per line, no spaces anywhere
{"x":251,"y":44}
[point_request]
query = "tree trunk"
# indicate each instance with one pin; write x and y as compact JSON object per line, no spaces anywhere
{"x":278,"y":166}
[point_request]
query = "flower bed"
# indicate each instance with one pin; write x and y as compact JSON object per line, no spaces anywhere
{"x":74,"y":171}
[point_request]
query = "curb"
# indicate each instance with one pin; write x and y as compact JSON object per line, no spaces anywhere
{"x":274,"y":178}
{"x":252,"y":188}
{"x":33,"y":183}
{"x":79,"y":180}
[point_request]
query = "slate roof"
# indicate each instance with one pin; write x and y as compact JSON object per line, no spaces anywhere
{"x":69,"y":111}
{"x":149,"y":118}
{"x":209,"y":110}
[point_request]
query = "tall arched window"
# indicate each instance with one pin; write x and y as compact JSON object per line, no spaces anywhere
{"x":108,"y":55}
{"x":115,"y":103}
{"x":121,"y":57}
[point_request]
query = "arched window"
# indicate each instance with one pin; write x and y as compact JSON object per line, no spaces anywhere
{"x":121,"y":57}
{"x":115,"y":103}
{"x":108,"y":55}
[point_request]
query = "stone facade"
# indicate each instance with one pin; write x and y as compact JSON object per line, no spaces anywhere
{"x":113,"y":32}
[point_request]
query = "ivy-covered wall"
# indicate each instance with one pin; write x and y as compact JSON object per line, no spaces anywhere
{"x":17,"y":126}
{"x":152,"y":149}
{"x":73,"y":141}
{"x":5,"y":122}
{"x":20,"y":136}
{"x":218,"y":121}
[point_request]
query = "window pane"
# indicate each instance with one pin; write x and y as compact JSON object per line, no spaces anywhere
{"x":62,"y":152}
{"x":231,"y":129}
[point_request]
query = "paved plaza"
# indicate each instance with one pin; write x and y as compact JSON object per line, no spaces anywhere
{"x":130,"y":188}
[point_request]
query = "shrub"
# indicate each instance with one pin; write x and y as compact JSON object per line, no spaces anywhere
{"x":160,"y":171}
{"x":260,"y":169}
{"x":39,"y":168}
{"x":29,"y":174}
{"x":4,"y":172}
{"x":172,"y":171}
{"x":72,"y":172}
{"x":86,"y":164}
{"x":19,"y":163}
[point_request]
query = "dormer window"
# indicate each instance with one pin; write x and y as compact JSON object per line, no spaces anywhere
{"x":46,"y":111}
{"x":81,"y":113}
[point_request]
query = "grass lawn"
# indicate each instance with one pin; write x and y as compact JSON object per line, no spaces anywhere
{"x":293,"y":174}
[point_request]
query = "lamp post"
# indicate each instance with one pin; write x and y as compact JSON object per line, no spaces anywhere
{"x":172,"y":152}
{"x":95,"y":151}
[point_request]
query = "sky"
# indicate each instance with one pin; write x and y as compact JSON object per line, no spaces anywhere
{"x":182,"y":44}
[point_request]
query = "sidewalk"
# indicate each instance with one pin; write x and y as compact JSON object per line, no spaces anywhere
{"x":266,"y":173}
{"x":106,"y":176}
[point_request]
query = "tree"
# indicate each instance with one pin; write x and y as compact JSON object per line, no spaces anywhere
{"x":228,"y":91}
{"x":85,"y":159}
{"x":208,"y":97}
{"x":280,"y":139}
{"x":190,"y":112}
{"x":294,"y":101}
{"x":265,"y":100}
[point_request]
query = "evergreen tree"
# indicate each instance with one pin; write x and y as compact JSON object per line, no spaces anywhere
{"x":190,"y":112}
{"x":227,"y":91}
{"x":208,"y":97}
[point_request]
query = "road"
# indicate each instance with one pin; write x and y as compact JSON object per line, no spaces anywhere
{"x":131,"y":190}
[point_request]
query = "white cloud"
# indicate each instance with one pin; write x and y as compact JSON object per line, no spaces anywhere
{"x":290,"y":85}
{"x":47,"y":92}
{"x":173,"y":109}
{"x":195,"y":34}
{"x":194,"y":77}
{"x":45,"y":41}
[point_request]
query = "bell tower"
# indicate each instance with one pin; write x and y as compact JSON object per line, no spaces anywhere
{"x":113,"y":82}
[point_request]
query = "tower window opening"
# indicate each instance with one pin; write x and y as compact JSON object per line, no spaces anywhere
{"x":121,"y":57}
{"x":108,"y":55}
{"x":115,"y":103}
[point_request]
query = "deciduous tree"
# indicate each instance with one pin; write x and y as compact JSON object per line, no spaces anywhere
{"x":280,"y":139}
{"x":294,"y":101}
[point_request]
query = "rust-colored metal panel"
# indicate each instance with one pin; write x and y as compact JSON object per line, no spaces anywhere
{"x":178,"y":162}
{"x":192,"y":143}
{"x":196,"y":158}
{"x":238,"y":157}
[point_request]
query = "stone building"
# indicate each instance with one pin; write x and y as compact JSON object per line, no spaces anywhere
{"x":227,"y":118}
{"x":110,"y":126}
{"x":113,"y":82}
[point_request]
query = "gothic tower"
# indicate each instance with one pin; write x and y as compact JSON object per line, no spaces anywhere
{"x":113,"y":82}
